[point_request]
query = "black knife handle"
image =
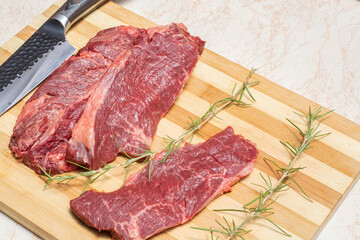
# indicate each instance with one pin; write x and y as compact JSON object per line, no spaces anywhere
{"x":73,"y":10}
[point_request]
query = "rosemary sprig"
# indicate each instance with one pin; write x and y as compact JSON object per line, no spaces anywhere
{"x":171,"y":144}
{"x":66,"y":178}
{"x":215,"y":108}
{"x":147,"y":157}
{"x":269,"y":190}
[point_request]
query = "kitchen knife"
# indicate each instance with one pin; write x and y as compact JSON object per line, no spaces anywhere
{"x":41,"y":54}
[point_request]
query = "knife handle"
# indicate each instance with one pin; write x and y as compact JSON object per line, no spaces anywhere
{"x":73,"y":10}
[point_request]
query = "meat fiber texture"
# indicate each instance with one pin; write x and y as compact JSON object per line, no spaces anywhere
{"x":133,"y":95}
{"x":45,"y":123}
{"x":176,"y":191}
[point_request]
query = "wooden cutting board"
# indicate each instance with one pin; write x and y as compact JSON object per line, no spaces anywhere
{"x":333,"y":164}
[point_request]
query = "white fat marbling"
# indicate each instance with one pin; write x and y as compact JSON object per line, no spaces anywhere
{"x":311,"y":47}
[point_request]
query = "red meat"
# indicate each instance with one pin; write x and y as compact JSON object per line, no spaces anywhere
{"x":45,"y":123}
{"x":133,"y":95}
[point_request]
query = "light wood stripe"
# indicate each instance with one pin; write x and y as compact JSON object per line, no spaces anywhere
{"x":332,"y":165}
{"x":4,"y":55}
{"x":107,"y":21}
{"x":13,"y":45}
{"x":7,"y":123}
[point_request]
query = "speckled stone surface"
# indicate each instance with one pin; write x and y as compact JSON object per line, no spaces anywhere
{"x":310,"y":47}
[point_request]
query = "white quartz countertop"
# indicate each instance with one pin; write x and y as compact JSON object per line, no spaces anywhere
{"x":310,"y":47}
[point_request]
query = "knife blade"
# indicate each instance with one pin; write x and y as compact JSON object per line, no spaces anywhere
{"x":41,"y":54}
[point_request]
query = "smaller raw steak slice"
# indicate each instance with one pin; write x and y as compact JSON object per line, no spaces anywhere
{"x":45,"y":123}
{"x":177,"y":190}
{"x":133,"y":95}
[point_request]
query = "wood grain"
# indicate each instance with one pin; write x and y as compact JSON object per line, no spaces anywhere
{"x":333,"y":164}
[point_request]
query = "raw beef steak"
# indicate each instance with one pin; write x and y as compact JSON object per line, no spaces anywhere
{"x":45,"y":123}
{"x":177,"y":190}
{"x":133,"y":95}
